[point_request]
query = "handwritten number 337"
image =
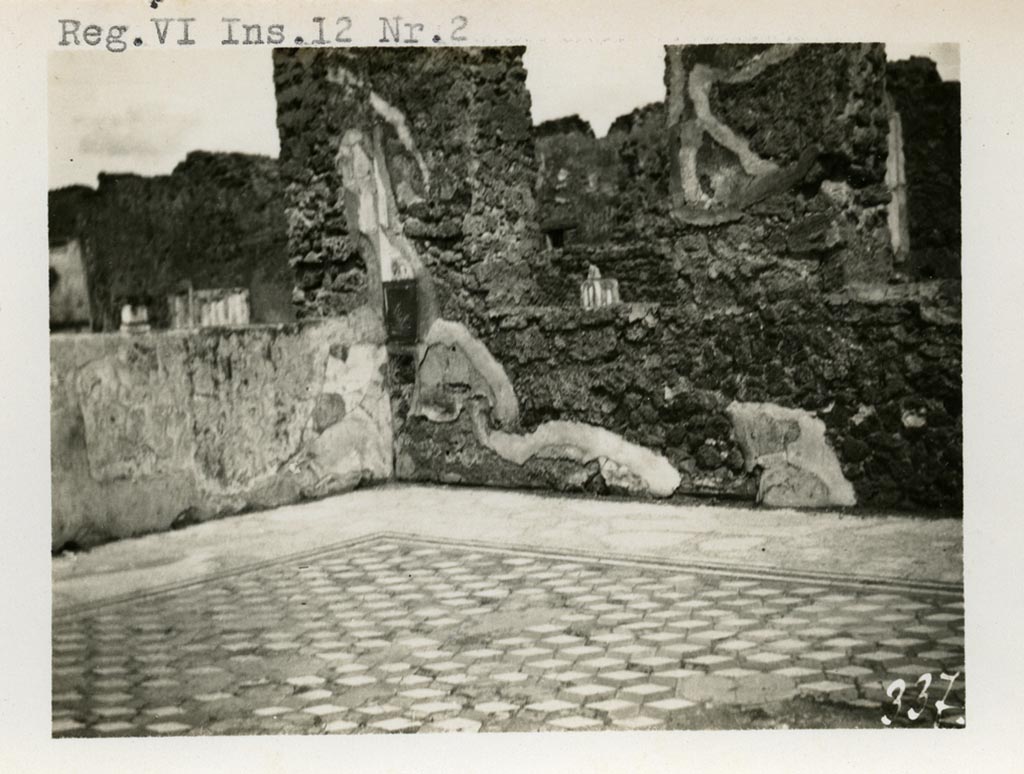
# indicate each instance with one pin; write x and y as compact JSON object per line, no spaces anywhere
{"x":899,"y":687}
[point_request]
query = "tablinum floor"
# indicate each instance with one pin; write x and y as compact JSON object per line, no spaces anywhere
{"x":395,"y":634}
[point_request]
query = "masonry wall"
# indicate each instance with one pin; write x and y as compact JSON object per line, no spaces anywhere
{"x":803,"y":206}
{"x":579,"y":179}
{"x":69,"y":289}
{"x":930,"y":113}
{"x":825,"y":229}
{"x":450,"y":130}
{"x":217,"y":220}
{"x":69,"y":293}
{"x":156,"y":431}
{"x":763,"y":171}
{"x":767,"y":348}
{"x":881,"y":369}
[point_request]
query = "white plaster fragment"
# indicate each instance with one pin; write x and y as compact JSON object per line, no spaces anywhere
{"x":896,"y":181}
{"x":388,"y":112}
{"x":698,"y":85}
{"x":702,"y":78}
{"x":799,"y":466}
{"x":914,"y":419}
{"x":619,"y":458}
{"x":863,"y":412}
{"x":504,"y":404}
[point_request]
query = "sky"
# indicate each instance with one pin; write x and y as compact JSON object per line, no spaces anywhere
{"x":107,"y":116}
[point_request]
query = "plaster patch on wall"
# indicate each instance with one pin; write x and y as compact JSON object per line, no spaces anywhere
{"x":371,"y":210}
{"x":799,"y":468}
{"x":755,"y":178}
{"x":367,"y":188}
{"x":896,"y":180}
{"x":623,"y":464}
{"x":454,"y":366}
{"x":358,"y":445}
{"x":698,"y":86}
{"x":388,"y":112}
{"x":457,"y":372}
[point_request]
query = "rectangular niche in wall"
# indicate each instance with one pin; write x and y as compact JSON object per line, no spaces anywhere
{"x":558,"y":235}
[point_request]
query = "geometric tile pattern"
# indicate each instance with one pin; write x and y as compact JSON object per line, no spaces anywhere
{"x":400,"y":636}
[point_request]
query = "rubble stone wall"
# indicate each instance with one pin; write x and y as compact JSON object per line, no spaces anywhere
{"x":755,"y":213}
{"x":159,"y":430}
{"x":217,"y":220}
{"x":765,"y":167}
{"x":450,"y":131}
{"x":578,"y":183}
{"x":929,"y":109}
{"x":880,"y":369}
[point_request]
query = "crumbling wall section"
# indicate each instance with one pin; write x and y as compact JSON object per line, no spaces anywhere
{"x":578,"y":182}
{"x":779,"y":157}
{"x":762,"y":172}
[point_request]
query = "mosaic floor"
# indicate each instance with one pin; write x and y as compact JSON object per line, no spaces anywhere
{"x":390,"y":635}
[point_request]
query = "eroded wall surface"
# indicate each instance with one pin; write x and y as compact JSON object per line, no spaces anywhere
{"x":153,"y":431}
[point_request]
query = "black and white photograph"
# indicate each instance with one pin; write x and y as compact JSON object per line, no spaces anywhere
{"x":435,"y":384}
{"x":522,"y":425}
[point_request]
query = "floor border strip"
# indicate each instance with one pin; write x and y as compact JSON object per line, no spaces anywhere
{"x":603,"y":557}
{"x":88,"y":607}
{"x":712,"y":568}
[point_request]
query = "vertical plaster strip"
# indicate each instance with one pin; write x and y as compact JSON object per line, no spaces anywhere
{"x":698,"y":88}
{"x":896,"y":180}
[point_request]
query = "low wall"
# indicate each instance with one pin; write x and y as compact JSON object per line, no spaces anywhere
{"x":790,"y":402}
{"x":850,"y":398}
{"x":159,"y":430}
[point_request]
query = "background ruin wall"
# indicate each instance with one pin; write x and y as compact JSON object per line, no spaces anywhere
{"x":217,"y":220}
